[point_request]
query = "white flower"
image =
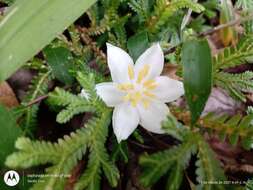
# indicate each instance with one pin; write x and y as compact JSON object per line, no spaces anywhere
{"x":138,"y":93}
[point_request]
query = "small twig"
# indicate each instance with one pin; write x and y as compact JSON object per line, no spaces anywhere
{"x":215,"y":29}
{"x":37,"y":100}
{"x":171,"y":50}
{"x":229,"y":24}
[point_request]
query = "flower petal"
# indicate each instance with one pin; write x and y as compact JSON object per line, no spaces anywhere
{"x":109,"y":93}
{"x":154,"y":58}
{"x":168,"y":89}
{"x":152,"y":117}
{"x":119,"y":62}
{"x":125,"y":121}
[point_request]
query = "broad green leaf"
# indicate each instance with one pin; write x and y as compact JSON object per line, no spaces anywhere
{"x":60,"y":60}
{"x":31,"y":25}
{"x":197,"y":73}
{"x":8,"y":134}
{"x":137,"y":44}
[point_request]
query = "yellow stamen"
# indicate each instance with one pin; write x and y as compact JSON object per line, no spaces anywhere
{"x":143,"y":73}
{"x":150,"y":84}
{"x":131,"y":72}
{"x":134,"y":98}
{"x":145,"y":103}
{"x":125,"y":87}
{"x":148,"y":94}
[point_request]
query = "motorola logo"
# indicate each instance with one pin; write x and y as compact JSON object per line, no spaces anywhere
{"x":11,"y":178}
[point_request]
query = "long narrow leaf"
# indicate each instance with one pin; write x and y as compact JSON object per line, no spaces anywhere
{"x":30,"y":25}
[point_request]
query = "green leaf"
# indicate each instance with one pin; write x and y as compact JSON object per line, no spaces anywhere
{"x":120,"y":151}
{"x":8,"y":133}
{"x":137,"y":44}
{"x":237,"y":129}
{"x":156,"y":165}
{"x":31,"y":25}
{"x":73,"y":104}
{"x":247,"y":143}
{"x":249,"y":185}
{"x":176,"y":177}
{"x":60,"y":60}
{"x":9,"y":2}
{"x":197,"y":73}
{"x":208,"y":168}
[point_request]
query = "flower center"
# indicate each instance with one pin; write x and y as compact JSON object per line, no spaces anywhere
{"x":140,"y":91}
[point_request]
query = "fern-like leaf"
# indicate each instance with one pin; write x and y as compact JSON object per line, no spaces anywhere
{"x":233,"y":56}
{"x":65,"y":154}
{"x":98,"y":160}
{"x":208,"y":170}
{"x":158,"y":164}
{"x":235,"y":84}
{"x":27,"y":115}
{"x":164,"y":9}
{"x":235,"y":128}
{"x":72,"y":104}
{"x":141,"y":7}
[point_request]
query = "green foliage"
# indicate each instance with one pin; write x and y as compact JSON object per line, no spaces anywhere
{"x":52,"y":18}
{"x":211,"y":7}
{"x":233,"y":56}
{"x":132,"y":25}
{"x":109,"y":20}
{"x":65,"y":154}
{"x":197,"y":74}
{"x":137,"y":44}
{"x":165,"y":9}
{"x":98,"y":160}
{"x":248,"y":26}
{"x":245,"y":4}
{"x":60,"y":61}
{"x":142,"y":8}
{"x":235,"y":84}
{"x":249,"y":185}
{"x":9,"y":2}
{"x":27,"y":114}
{"x":9,"y":132}
{"x":236,"y":128}
{"x":120,"y":151}
{"x":72,"y":104}
{"x":230,"y":57}
{"x":158,"y":164}
{"x":208,"y":168}
{"x":174,"y":161}
{"x":174,"y":128}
